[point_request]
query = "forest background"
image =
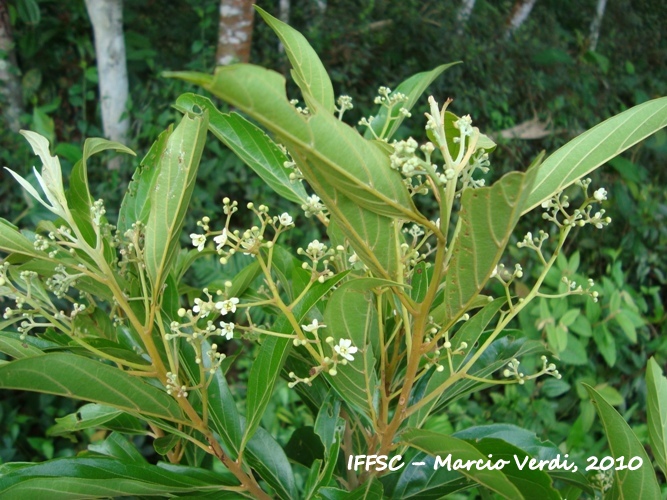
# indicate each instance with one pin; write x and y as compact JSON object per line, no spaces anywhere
{"x":535,"y":73}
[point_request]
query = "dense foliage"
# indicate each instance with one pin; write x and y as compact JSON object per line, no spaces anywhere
{"x":606,"y":345}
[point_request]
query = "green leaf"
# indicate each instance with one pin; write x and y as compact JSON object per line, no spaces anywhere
{"x":639,"y":483}
{"x":117,"y":446}
{"x":78,"y":195}
{"x":656,"y":385}
{"x":626,"y":325}
{"x":93,"y":415}
{"x":308,"y":72}
{"x":12,"y":241}
{"x":165,"y":444}
{"x":328,"y":420}
{"x":595,"y":147}
{"x":420,"y":281}
{"x":488,"y":216}
{"x":351,"y":313}
{"x":413,"y":88}
{"x":531,"y":483}
{"x":319,"y":145}
{"x":272,"y":355}
{"x":250,"y":144}
{"x":78,"y":377}
{"x":267,"y":457}
{"x":101,"y":477}
{"x":371,"y":490}
{"x":442,"y":445}
{"x":171,"y":194}
{"x":16,"y":348}
{"x":135,"y":206}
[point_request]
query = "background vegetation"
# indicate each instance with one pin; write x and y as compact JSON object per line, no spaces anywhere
{"x":544,"y":71}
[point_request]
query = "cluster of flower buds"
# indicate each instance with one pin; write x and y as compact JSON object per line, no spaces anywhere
{"x":512,"y":371}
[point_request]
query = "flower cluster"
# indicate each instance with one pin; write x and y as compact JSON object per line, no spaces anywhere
{"x":512,"y":371}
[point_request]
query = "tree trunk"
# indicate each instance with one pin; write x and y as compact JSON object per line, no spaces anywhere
{"x":464,"y":14}
{"x":234,"y":31}
{"x":107,"y":19}
{"x":283,"y":15}
{"x":10,"y":85}
{"x":596,"y":24}
{"x":520,"y":13}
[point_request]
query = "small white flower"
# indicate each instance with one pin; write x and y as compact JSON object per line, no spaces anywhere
{"x":198,"y":240}
{"x":345,"y":349}
{"x":227,"y":330}
{"x":227,"y":306}
{"x":313,"y":327}
{"x":464,"y":124}
{"x":285,"y":219}
{"x":600,"y":194}
{"x":220,"y":240}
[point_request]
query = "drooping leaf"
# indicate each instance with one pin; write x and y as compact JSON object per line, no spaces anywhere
{"x":656,"y":385}
{"x":595,"y":147}
{"x":442,"y":445}
{"x":250,"y":144}
{"x":78,"y":377}
{"x":12,"y":241}
{"x":639,"y":483}
{"x":171,"y":194}
{"x":308,"y":72}
{"x":116,"y":445}
{"x":267,"y":457}
{"x":322,"y":143}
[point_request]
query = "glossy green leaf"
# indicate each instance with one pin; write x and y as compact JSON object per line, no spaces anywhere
{"x":385,"y":123}
{"x":351,"y":314}
{"x":101,"y":477}
{"x":595,"y":147}
{"x":136,"y":203}
{"x":640,"y":483}
{"x":436,"y":444}
{"x":488,"y":216}
{"x":266,"y":456}
{"x":656,"y":385}
{"x":97,"y":416}
{"x":421,"y":276}
{"x":370,"y":490}
{"x":308,"y":72}
{"x":328,"y":420}
{"x":165,"y":444}
{"x":82,"y":378}
{"x":250,"y":144}
{"x":171,"y":194}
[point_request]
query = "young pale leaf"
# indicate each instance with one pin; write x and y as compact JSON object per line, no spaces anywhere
{"x":351,"y":314}
{"x":656,"y":384}
{"x":640,"y":483}
{"x":308,"y":71}
{"x":135,"y":206}
{"x":436,"y":444}
{"x":250,"y":144}
{"x":78,"y":377}
{"x":171,"y":194}
{"x":68,"y":478}
{"x":595,"y":147}
{"x":386,"y":123}
{"x":78,"y":195}
{"x":488,"y":216}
